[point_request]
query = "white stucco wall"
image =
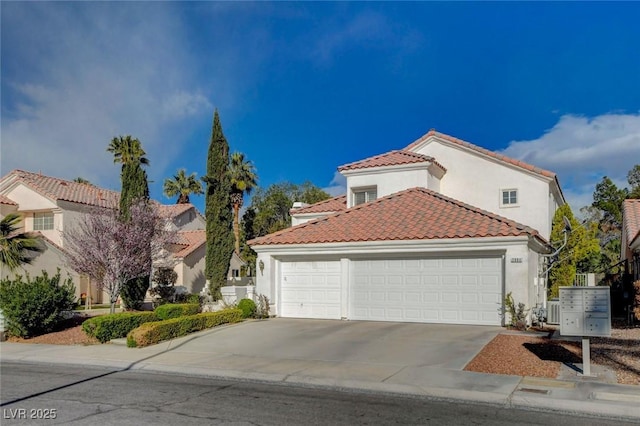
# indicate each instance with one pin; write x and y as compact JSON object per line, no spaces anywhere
{"x":297,"y":220}
{"x":387,"y":180}
{"x":191,"y":271}
{"x":189,"y":221}
{"x":479,"y":181}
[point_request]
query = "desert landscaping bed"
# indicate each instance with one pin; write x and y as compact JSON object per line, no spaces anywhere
{"x":541,"y":356}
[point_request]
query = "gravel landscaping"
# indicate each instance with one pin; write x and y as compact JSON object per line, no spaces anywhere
{"x":540,"y":356}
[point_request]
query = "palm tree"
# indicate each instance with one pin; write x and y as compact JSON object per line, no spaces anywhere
{"x":182,"y":185}
{"x":82,"y":180}
{"x":243,"y":180}
{"x":16,"y":248}
{"x":126,"y":149}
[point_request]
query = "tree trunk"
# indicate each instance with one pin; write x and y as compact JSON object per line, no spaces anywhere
{"x":236,"y":226}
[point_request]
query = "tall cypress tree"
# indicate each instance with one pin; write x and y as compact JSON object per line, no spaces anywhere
{"x":218,"y":210}
{"x":135,"y":186}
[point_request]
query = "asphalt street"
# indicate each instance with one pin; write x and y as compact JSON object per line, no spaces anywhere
{"x":74,"y":395}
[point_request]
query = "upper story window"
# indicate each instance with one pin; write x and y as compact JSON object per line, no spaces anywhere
{"x":42,"y":221}
{"x":364,"y":195}
{"x":509,"y":198}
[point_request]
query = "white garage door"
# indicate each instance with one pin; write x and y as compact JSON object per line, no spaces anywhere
{"x":310,"y":289}
{"x":447,"y":290}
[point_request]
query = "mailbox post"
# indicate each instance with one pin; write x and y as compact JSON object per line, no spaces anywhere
{"x":585,"y":312}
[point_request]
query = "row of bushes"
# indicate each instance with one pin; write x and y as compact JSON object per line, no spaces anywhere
{"x":115,"y":326}
{"x":155,"y":332}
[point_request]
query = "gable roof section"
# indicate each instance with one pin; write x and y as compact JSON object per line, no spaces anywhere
{"x":484,"y":151}
{"x":173,"y":210}
{"x":393,"y":158}
{"x":190,"y":242}
{"x":631,"y":220}
{"x":334,"y":204}
{"x":60,"y":189}
{"x":412,"y":214}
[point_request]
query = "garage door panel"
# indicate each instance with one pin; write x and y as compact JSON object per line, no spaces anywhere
{"x":310,"y":290}
{"x":447,"y":290}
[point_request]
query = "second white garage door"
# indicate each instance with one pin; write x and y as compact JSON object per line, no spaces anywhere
{"x":311,"y":289}
{"x":447,"y":290}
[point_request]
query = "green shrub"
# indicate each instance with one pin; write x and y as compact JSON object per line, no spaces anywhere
{"x":517,"y":314}
{"x":175,"y":310}
{"x":152,"y":333}
{"x":188,"y":298}
{"x":35,"y":306}
{"x":115,"y":326}
{"x":164,"y":290}
{"x":248,"y":308}
{"x":133,"y":292}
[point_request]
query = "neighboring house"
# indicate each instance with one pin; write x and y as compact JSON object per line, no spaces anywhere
{"x":439,"y":231}
{"x":50,"y":206}
{"x":630,"y":244}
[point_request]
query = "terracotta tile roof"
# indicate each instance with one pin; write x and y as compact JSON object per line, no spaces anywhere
{"x":173,"y":210}
{"x":413,"y":214}
{"x":59,"y":189}
{"x":7,"y":201}
{"x":334,"y":204}
{"x":481,"y":150}
{"x":393,"y":158}
{"x":631,"y":219}
{"x":190,"y":242}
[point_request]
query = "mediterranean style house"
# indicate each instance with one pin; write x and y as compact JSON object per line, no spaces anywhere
{"x":439,"y":231}
{"x":50,"y":205}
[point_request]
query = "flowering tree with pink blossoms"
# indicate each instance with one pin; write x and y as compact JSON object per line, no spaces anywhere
{"x":112,"y":251}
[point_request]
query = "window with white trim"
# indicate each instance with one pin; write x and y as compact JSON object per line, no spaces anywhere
{"x":364,"y":195}
{"x":509,"y":198}
{"x":42,"y":221}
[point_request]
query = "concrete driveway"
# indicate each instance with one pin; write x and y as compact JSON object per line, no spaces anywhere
{"x":358,"y":342}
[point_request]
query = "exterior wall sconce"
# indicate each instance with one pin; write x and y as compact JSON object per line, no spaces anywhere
{"x":261,"y":266}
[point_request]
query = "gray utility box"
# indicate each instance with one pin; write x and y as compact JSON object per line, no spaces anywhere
{"x":585,"y":311}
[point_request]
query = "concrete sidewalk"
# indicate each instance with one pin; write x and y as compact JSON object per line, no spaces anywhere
{"x":189,"y":356}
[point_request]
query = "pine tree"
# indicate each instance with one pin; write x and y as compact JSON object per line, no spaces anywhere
{"x":218,"y":210}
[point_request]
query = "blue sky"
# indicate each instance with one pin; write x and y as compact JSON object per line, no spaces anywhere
{"x":303,"y":88}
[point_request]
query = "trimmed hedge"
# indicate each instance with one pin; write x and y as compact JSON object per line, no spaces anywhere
{"x":156,"y":332}
{"x":175,"y":310}
{"x":115,"y":326}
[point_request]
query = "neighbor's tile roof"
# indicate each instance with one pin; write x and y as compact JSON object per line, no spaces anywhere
{"x":7,"y":201}
{"x":334,"y":204}
{"x":393,"y":158}
{"x":631,"y":215}
{"x":413,"y":214}
{"x":173,"y":210}
{"x":59,"y":189}
{"x":82,"y":193}
{"x":484,"y":151}
{"x":190,"y":241}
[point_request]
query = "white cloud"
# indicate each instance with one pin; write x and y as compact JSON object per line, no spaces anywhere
{"x":582,"y":150}
{"x":337,"y":186}
{"x":89,"y":72}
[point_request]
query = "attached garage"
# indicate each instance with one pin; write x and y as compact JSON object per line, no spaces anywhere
{"x":456,"y":290}
{"x":414,"y":256}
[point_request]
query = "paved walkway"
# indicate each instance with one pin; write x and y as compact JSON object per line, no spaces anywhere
{"x":192,"y":355}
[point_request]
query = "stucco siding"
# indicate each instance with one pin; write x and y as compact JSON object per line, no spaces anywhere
{"x":479,"y":181}
{"x":192,"y":271}
{"x":387,"y":181}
